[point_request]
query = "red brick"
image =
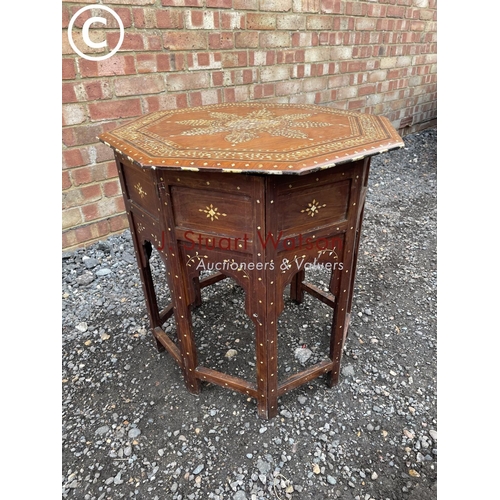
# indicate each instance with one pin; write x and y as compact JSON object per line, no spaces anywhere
{"x":125,"y":108}
{"x":353,"y":66}
{"x":290,"y":22}
{"x":187,"y":81}
{"x":246,"y":39}
{"x":132,"y":2}
{"x":185,"y":41}
{"x":90,"y":193}
{"x":276,"y":5}
{"x":139,"y":85}
{"x":68,"y":93}
{"x":170,"y":19}
{"x":111,"y":188}
{"x":307,"y":6}
{"x":165,"y":101}
{"x":263,"y":90}
{"x":182,"y":3}
{"x":320,"y":22}
{"x":73,"y":114}
{"x":314,"y":84}
{"x":105,"y":207}
{"x":95,"y":90}
{"x":68,"y":69}
{"x":232,"y":20}
{"x":220,"y":4}
{"x":367,"y":89}
{"x":131,"y":41}
{"x":287,"y":88}
{"x":393,"y":11}
{"x":234,"y":59}
{"x":116,"y":65}
{"x":72,"y":158}
{"x":417,"y":25}
{"x":118,"y":223}
{"x":246,"y":4}
{"x":357,"y":104}
{"x":206,"y":97}
{"x":331,"y":6}
{"x":260,"y":21}
{"x":154,"y":42}
{"x":144,"y":18}
{"x":356,"y":8}
{"x":82,"y":175}
{"x":66,"y":180}
{"x":276,"y":39}
{"x":224,"y":40}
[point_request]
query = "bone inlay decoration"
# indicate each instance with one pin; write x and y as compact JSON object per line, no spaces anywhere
{"x":313,"y":208}
{"x":212,"y":212}
{"x":251,"y":126}
{"x":140,"y":190}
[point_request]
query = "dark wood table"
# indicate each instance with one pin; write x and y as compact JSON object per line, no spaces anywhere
{"x":257,"y":190}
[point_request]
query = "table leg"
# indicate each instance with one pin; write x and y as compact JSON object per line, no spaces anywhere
{"x":182,"y":312}
{"x":143,"y":251}
{"x":262,"y":310}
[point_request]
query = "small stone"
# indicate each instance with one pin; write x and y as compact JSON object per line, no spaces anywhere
{"x":374,"y":476}
{"x":263,"y":466}
{"x":434,"y":434}
{"x":85,"y":278}
{"x":262,"y":430}
{"x":240,"y":495}
{"x":91,"y":263}
{"x":302,"y":354}
{"x":198,"y":469}
{"x":103,"y":272}
{"x":263,"y":478}
{"x":102,"y":430}
{"x":348,"y":371}
{"x":161,"y":451}
{"x":286,"y":414}
{"x":174,"y":487}
{"x":105,"y":336}
{"x":82,"y":327}
{"x":316,"y":469}
{"x":302,"y":400}
{"x":231,"y":353}
{"x":370,"y":427}
{"x":331,"y":479}
{"x":134,"y":432}
{"x":118,"y":478}
{"x":249,"y":455}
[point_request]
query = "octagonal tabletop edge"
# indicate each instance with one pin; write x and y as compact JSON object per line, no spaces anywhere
{"x":265,"y":138}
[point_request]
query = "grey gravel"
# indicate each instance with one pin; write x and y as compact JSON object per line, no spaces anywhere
{"x":374,"y":435}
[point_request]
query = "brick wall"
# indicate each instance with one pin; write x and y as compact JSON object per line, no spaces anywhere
{"x":375,"y":56}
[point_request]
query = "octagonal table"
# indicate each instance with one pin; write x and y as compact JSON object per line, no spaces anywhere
{"x":254,"y":191}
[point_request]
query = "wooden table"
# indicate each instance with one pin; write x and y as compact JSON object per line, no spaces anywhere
{"x":257,"y":190}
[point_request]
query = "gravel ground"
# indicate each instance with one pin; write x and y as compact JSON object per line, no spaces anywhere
{"x":131,"y":429}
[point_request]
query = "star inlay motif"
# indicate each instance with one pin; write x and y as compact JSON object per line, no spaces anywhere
{"x":313,"y":208}
{"x":251,"y":126}
{"x":212,"y":212}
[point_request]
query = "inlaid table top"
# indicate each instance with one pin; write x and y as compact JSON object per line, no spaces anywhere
{"x":252,"y":137}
